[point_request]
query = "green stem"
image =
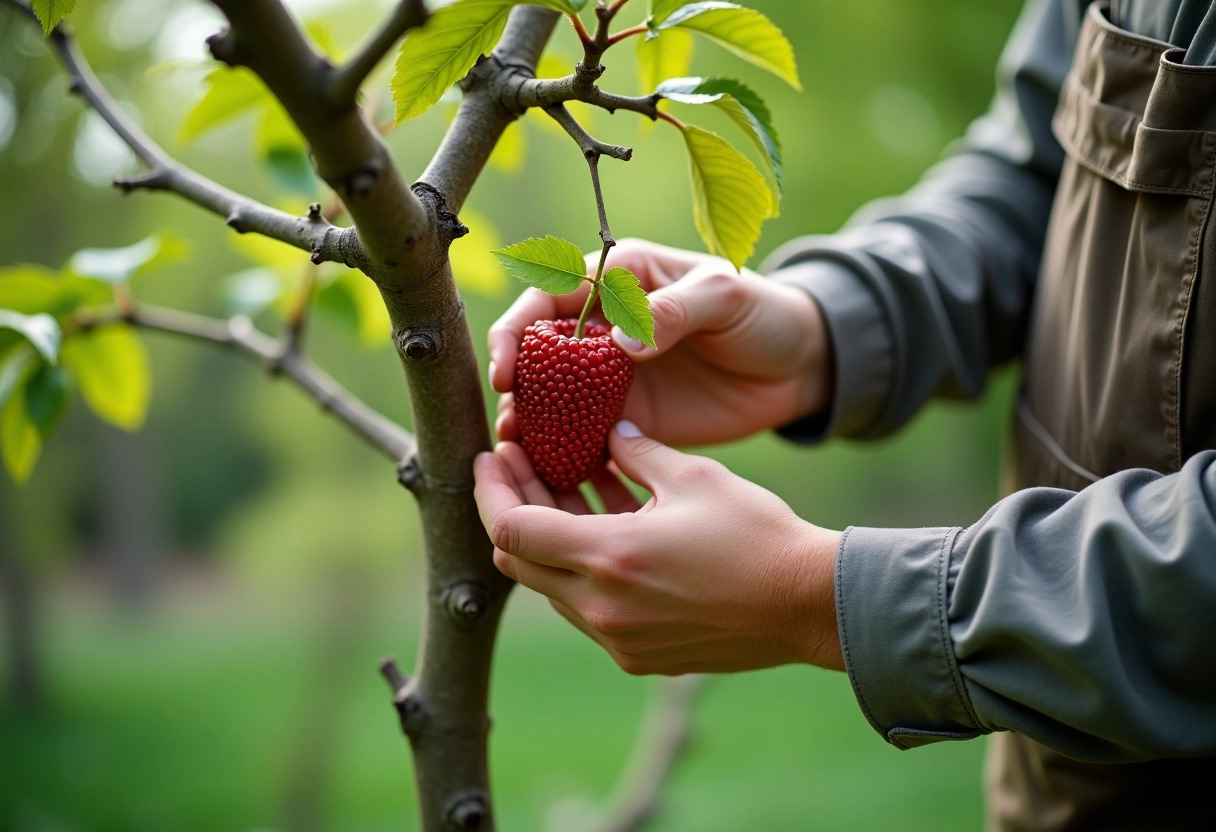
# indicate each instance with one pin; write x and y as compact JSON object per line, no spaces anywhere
{"x":594,"y":295}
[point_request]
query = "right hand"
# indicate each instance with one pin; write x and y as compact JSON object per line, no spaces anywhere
{"x":736,"y":353}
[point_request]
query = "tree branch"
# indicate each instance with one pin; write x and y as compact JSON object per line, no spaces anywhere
{"x":662,"y":738}
{"x":394,"y":226}
{"x":345,"y":81}
{"x":592,"y":149}
{"x":240,"y":336}
{"x":323,"y":241}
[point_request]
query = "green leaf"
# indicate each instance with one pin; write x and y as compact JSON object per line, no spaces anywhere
{"x":31,"y":289}
{"x":669,"y":56}
{"x":567,"y":6}
{"x":46,"y":398}
{"x":626,"y":305}
{"x":730,"y":197}
{"x":120,"y":265}
{"x":50,"y":12}
{"x":551,"y":264}
{"x":230,"y":92}
{"x":440,"y":53}
{"x":746,"y":32}
{"x":745,"y":108}
{"x":20,"y":442}
{"x":285,"y":153}
{"x":41,"y":330}
{"x":252,"y":291}
{"x":111,"y":365}
{"x":13,"y":367}
{"x":660,"y":10}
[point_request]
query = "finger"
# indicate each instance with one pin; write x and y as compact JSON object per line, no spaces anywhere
{"x":507,"y":333}
{"x":708,"y":298}
{"x":505,"y":426}
{"x":534,"y":491}
{"x":651,"y":464}
{"x":495,"y":490}
{"x":548,"y":581}
{"x":654,"y":264}
{"x":617,"y":497}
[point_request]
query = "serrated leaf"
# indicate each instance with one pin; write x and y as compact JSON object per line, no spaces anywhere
{"x":111,"y":366}
{"x":120,"y":265}
{"x":20,"y":443}
{"x":668,"y":56}
{"x":230,"y":92}
{"x":551,"y":264}
{"x":745,"y":108}
{"x":625,"y":304}
{"x":440,"y":53}
{"x":50,"y":12}
{"x":41,"y":330}
{"x":730,"y":197}
{"x":746,"y":32}
{"x":474,"y":265}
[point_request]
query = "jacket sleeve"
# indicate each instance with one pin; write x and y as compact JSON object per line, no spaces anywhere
{"x":922,"y":294}
{"x":1085,"y":621}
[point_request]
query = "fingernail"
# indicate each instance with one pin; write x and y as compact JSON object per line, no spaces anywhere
{"x":625,"y":342}
{"x":627,"y":429}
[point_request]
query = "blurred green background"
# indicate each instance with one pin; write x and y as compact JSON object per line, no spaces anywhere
{"x":193,"y":613}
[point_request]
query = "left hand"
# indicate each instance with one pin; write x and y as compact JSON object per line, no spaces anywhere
{"x":714,"y":574}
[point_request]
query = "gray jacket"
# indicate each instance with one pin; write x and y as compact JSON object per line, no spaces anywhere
{"x":1087,"y":620}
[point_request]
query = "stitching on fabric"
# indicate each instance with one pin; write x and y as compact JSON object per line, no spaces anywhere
{"x":1070,"y":144}
{"x":844,"y":638}
{"x":951,"y":665}
{"x":1184,"y":316}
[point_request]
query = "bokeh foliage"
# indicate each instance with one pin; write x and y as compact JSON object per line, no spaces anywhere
{"x":286,"y":559}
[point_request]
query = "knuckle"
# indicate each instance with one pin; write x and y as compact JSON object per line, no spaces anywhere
{"x":505,"y":534}
{"x":607,"y":621}
{"x":700,"y":469}
{"x":671,"y":310}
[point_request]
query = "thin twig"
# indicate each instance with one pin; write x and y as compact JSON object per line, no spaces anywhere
{"x":239,"y":335}
{"x":345,"y":80}
{"x":323,"y":241}
{"x":662,"y":738}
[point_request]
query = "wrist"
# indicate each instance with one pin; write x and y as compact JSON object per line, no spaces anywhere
{"x":814,"y":367}
{"x":817,"y":638}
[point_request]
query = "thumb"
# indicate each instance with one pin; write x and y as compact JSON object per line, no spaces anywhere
{"x":706,"y":298}
{"x":646,"y":461}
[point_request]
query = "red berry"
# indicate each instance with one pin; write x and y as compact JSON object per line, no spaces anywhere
{"x":569,"y":392}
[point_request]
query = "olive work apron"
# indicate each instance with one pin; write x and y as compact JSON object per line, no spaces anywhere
{"x":1120,"y":368}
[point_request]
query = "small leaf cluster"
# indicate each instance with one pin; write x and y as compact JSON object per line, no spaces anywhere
{"x":556,"y":266}
{"x":46,"y":350}
{"x":50,"y":12}
{"x":731,"y":197}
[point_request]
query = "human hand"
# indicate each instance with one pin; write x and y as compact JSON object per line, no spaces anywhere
{"x":736,"y":353}
{"x":713,"y":575}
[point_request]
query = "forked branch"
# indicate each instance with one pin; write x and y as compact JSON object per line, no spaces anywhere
{"x":345,"y":81}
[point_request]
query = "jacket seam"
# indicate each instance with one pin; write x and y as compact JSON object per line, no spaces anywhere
{"x":947,"y":651}
{"x":844,"y":636}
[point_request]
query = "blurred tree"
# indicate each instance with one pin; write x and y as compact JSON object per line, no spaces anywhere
{"x":75,"y":327}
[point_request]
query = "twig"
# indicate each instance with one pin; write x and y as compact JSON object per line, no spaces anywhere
{"x":662,"y":738}
{"x":323,"y":241}
{"x":345,"y":81}
{"x":239,"y":335}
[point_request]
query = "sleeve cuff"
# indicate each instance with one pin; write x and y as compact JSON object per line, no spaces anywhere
{"x":891,"y":601}
{"x":861,"y":345}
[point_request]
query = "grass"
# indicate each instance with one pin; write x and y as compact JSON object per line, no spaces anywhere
{"x":198,"y":717}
